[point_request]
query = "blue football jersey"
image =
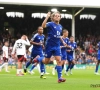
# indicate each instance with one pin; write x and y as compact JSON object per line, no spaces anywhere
{"x":66,"y":40}
{"x":98,"y":48}
{"x":54,"y":33}
{"x":38,"y":39}
{"x":73,"y":46}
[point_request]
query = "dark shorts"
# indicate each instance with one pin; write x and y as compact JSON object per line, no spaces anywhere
{"x":21,"y":58}
{"x":5,"y":59}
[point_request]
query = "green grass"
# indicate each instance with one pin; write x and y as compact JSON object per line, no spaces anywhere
{"x":80,"y":80}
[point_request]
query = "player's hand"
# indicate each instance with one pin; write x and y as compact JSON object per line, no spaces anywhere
{"x":61,"y":46}
{"x":43,"y":46}
{"x":40,"y":43}
{"x":13,"y":56}
{"x":26,"y":37}
{"x":69,"y":47}
{"x":48,"y":14}
{"x":64,"y":44}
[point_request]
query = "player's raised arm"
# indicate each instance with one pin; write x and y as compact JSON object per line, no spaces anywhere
{"x":46,"y":19}
{"x":27,"y":42}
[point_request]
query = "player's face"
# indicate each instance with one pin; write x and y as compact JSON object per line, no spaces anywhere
{"x":24,"y":37}
{"x":72,"y":39}
{"x":57,"y":17}
{"x":40,"y":30}
{"x":6,"y":44}
{"x":66,"y":34}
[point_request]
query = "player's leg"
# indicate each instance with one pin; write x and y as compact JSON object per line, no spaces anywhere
{"x":97,"y":66}
{"x":57,"y":54}
{"x":63,"y":63}
{"x":45,"y":71}
{"x":68,"y":67}
{"x":63,"y":59}
{"x":72,"y":65}
{"x":19,"y":65}
{"x":42,"y":61}
{"x":2,"y":66}
{"x":38,"y":67}
{"x":42,"y":69}
{"x":69,"y":64}
{"x":19,"y":68}
{"x":30,"y":62}
{"x":32,"y":67}
{"x":5,"y":64}
{"x":59,"y":69}
{"x":54,"y":67}
{"x":65,"y":67}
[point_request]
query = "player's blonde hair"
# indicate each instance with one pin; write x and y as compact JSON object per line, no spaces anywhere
{"x":53,"y":14}
{"x":64,"y":30}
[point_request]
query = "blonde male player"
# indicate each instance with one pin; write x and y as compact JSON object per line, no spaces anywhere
{"x":20,"y":50}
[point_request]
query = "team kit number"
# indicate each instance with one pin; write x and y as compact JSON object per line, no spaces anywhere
{"x":19,"y":45}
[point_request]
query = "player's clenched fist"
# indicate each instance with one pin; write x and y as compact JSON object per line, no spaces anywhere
{"x":48,"y":14}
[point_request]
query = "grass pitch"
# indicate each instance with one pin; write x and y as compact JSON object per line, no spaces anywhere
{"x":80,"y":80}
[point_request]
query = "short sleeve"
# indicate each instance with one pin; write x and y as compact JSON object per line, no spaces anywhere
{"x":48,"y":24}
{"x":3,"y":48}
{"x":33,"y":38}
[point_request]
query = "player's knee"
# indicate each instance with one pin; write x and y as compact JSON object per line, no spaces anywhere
{"x":59,"y":62}
{"x":46,"y":62}
{"x":31,"y":60}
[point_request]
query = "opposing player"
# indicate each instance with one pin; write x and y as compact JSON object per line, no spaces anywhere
{"x":20,"y":50}
{"x":53,"y":42}
{"x":5,"y":56}
{"x":70,"y":54}
{"x":38,"y":44}
{"x":98,"y":59}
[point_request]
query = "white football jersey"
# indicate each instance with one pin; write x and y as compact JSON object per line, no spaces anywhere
{"x":20,"y":47}
{"x":5,"y":51}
